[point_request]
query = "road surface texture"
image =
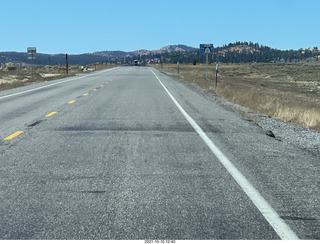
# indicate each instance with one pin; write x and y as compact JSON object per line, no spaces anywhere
{"x":131,"y":153}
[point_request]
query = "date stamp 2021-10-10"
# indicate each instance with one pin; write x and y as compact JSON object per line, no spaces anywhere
{"x":159,"y":241}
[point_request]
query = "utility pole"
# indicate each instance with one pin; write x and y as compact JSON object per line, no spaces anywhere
{"x":67,"y":68}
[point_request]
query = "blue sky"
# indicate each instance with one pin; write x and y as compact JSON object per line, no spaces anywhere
{"x":77,"y":26}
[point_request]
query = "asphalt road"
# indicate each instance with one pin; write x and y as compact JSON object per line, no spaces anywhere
{"x":131,"y":153}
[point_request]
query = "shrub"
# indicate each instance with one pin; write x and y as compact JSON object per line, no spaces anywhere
{"x":10,"y":66}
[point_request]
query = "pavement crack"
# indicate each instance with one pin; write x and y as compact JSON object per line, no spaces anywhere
{"x":95,"y":192}
{"x":35,"y":123}
{"x":298,"y":218}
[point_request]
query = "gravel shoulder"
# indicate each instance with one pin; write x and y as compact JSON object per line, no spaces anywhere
{"x":301,"y":137}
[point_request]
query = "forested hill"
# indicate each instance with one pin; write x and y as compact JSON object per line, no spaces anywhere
{"x":244,"y":52}
{"x":239,"y":52}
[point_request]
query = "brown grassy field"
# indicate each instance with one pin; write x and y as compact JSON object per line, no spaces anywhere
{"x":21,"y":76}
{"x":289,"y":92}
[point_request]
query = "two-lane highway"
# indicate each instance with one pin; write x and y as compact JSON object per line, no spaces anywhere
{"x":130,"y":153}
{"x":25,"y":104}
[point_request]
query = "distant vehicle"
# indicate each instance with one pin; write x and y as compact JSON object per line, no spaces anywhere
{"x":136,"y":62}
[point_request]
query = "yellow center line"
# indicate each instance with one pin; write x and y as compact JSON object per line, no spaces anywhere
{"x":13,"y":135}
{"x":52,"y":113}
{"x":101,"y":85}
{"x":95,"y":89}
{"x":72,"y":101}
{"x":85,"y":94}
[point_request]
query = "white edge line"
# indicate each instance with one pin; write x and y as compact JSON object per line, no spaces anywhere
{"x":38,"y":88}
{"x":278,"y":224}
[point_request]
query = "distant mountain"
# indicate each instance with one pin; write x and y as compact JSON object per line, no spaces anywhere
{"x":177,"y":48}
{"x":166,"y":49}
{"x":116,"y":54}
{"x":238,"y":52}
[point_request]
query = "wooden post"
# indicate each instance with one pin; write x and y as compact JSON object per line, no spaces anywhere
{"x":67,"y":68}
{"x":178,"y":68}
{"x":216,"y":84}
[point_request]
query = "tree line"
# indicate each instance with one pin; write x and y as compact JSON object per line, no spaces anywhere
{"x":242,"y":52}
{"x":238,"y":52}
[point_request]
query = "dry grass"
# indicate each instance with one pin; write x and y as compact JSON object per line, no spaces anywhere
{"x":289,"y":92}
{"x":27,"y":75}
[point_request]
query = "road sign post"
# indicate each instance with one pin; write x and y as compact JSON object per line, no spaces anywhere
{"x":216,"y":84}
{"x":32,"y":51}
{"x":207,"y":59}
{"x":206,"y":48}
